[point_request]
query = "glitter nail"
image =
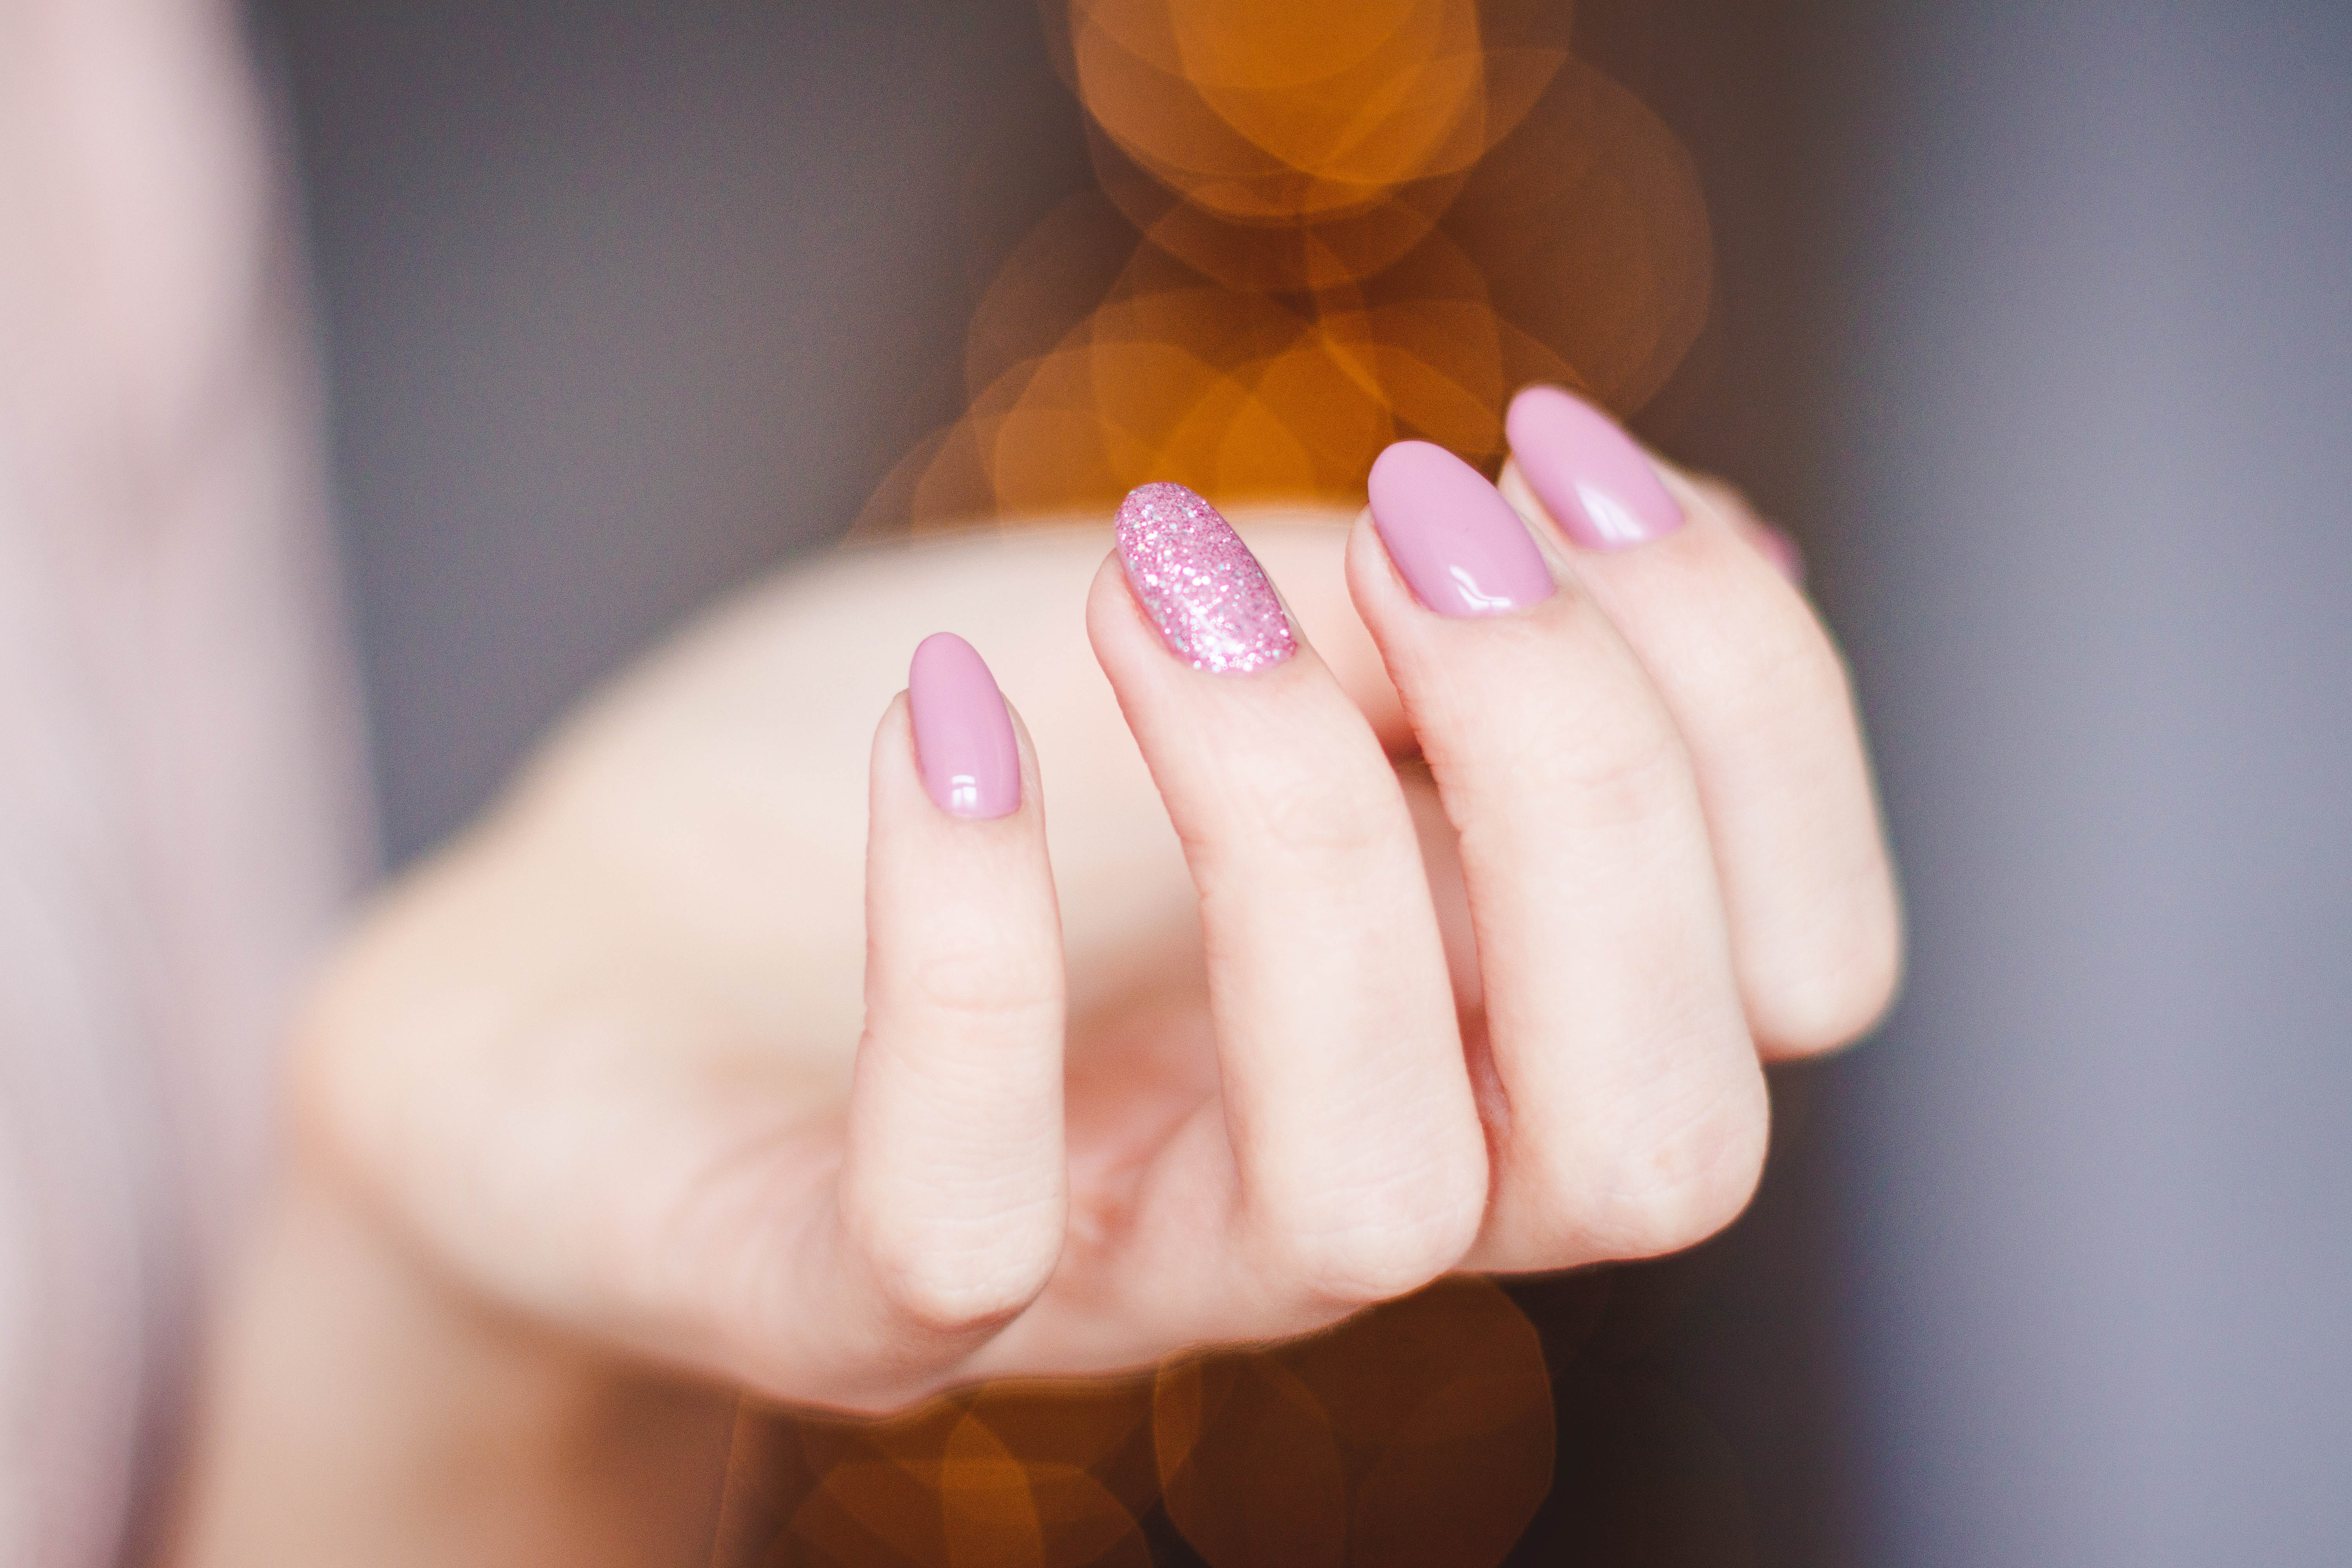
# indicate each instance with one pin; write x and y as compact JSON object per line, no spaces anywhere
{"x":1200,"y":584}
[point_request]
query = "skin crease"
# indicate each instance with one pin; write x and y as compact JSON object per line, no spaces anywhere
{"x":569,"y":1110}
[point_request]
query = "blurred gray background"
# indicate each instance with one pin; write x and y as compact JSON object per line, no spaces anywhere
{"x":2035,"y":326}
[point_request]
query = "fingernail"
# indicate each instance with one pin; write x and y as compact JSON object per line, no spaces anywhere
{"x":1461,"y":548}
{"x":964,"y":733}
{"x":1200,"y":584}
{"x":1596,"y":483}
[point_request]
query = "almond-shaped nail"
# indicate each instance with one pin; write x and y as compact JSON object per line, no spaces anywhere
{"x":963,"y":733}
{"x":1597,"y":484}
{"x":1458,"y":544}
{"x":1200,"y":584}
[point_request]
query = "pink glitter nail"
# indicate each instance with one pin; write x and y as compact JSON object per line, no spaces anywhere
{"x":1200,"y":584}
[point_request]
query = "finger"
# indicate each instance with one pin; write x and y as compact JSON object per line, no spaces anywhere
{"x":1761,"y":698}
{"x":1633,"y":1106}
{"x":952,"y":1192}
{"x":1358,"y":1164}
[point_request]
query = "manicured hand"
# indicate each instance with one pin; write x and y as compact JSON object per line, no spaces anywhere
{"x":1436,"y":916}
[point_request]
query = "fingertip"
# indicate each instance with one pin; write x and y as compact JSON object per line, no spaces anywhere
{"x":1820,"y":1009}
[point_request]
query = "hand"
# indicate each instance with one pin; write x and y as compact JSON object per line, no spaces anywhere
{"x":1306,"y":1032}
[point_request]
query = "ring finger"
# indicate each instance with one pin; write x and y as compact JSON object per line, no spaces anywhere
{"x":1634,"y":1115}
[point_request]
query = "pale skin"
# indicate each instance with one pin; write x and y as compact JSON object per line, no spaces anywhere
{"x":595,"y":1126}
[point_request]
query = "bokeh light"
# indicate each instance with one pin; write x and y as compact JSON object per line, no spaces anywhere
{"x":1419,"y":1432}
{"x":1319,"y":228}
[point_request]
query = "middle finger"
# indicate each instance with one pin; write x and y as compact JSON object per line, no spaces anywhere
{"x":1356,"y":1150}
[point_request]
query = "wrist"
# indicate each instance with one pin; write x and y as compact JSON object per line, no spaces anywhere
{"x":363,"y":1409}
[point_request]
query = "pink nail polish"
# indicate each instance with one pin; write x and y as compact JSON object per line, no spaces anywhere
{"x":1460,"y":546}
{"x":1200,"y":584}
{"x":1596,"y":483}
{"x":964,"y":733}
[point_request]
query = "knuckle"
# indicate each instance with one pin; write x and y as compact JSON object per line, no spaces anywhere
{"x":984,"y":980}
{"x":1355,"y":1244}
{"x":958,"y":1278}
{"x":1314,"y":810}
{"x":945,"y":1302}
{"x":1832,"y":1004}
{"x":1672,"y":1184}
{"x":1623,"y":756}
{"x":1781,"y":668}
